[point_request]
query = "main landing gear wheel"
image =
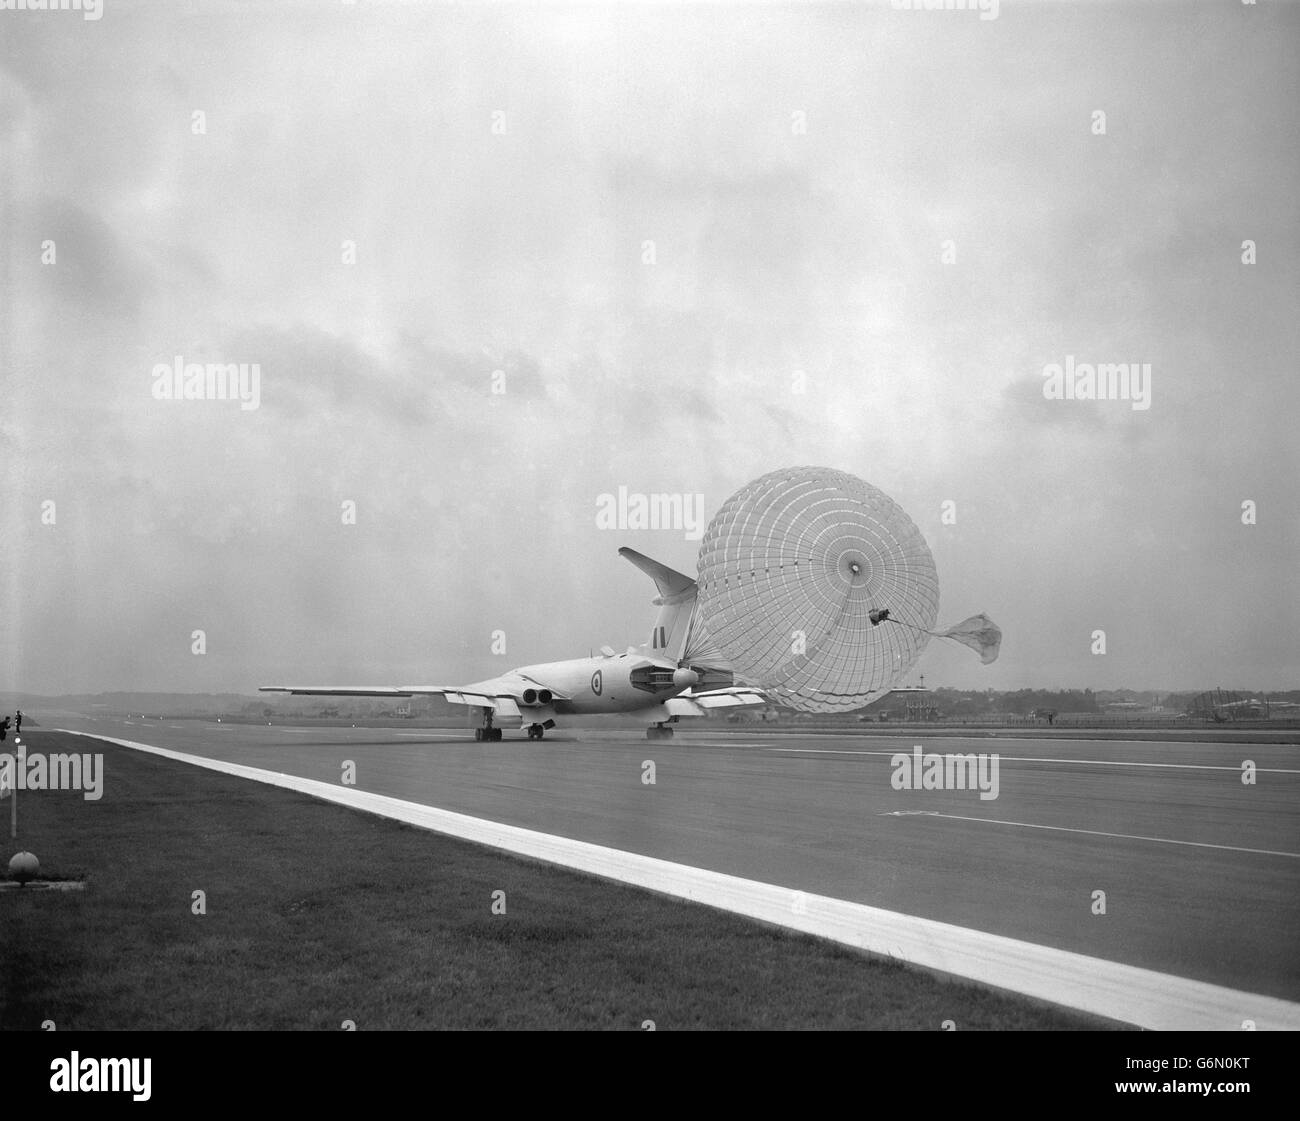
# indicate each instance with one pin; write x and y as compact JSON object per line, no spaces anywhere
{"x":489,"y":734}
{"x":659,"y":732}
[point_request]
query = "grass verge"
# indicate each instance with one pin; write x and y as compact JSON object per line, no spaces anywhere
{"x":317,"y":914}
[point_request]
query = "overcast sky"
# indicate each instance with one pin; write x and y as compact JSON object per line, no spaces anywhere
{"x":501,"y":170}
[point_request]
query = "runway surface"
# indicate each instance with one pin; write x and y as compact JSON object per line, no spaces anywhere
{"x":1201,"y":872}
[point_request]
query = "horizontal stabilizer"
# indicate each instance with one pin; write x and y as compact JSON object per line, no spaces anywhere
{"x":669,"y":582}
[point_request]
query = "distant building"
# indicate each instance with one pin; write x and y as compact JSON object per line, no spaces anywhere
{"x":912,"y":703}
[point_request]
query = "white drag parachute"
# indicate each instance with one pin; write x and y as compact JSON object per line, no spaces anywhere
{"x":818,"y":587}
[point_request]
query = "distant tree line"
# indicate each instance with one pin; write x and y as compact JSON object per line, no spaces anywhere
{"x":1021,"y":702}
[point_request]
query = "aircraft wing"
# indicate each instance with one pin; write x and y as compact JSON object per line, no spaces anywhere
{"x":696,"y":704}
{"x":350,"y":690}
{"x":501,"y":694}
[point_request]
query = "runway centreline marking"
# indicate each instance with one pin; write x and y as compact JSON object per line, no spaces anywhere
{"x":1038,"y":759}
{"x":977,"y":737}
{"x":1091,"y":832}
{"x":1126,"y":993}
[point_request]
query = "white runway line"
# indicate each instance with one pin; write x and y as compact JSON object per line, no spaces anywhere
{"x":998,"y":737}
{"x":1090,"y":832}
{"x":1158,"y":1001}
{"x":1038,"y":759}
{"x":435,"y":735}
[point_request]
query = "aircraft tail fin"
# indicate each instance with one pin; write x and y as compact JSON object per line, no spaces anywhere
{"x":676,"y":600}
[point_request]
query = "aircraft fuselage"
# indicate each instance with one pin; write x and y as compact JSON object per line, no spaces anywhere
{"x":605,"y":684}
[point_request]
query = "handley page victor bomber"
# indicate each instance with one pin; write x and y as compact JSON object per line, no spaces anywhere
{"x":654,"y":679}
{"x":815,"y":589}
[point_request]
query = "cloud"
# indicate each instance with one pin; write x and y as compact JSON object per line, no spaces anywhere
{"x":522,"y":251}
{"x":96,"y":272}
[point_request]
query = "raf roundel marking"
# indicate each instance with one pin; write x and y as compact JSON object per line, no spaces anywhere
{"x":596,"y":684}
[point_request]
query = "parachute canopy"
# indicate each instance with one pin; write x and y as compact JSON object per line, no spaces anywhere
{"x":796,"y":571}
{"x":818,"y":587}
